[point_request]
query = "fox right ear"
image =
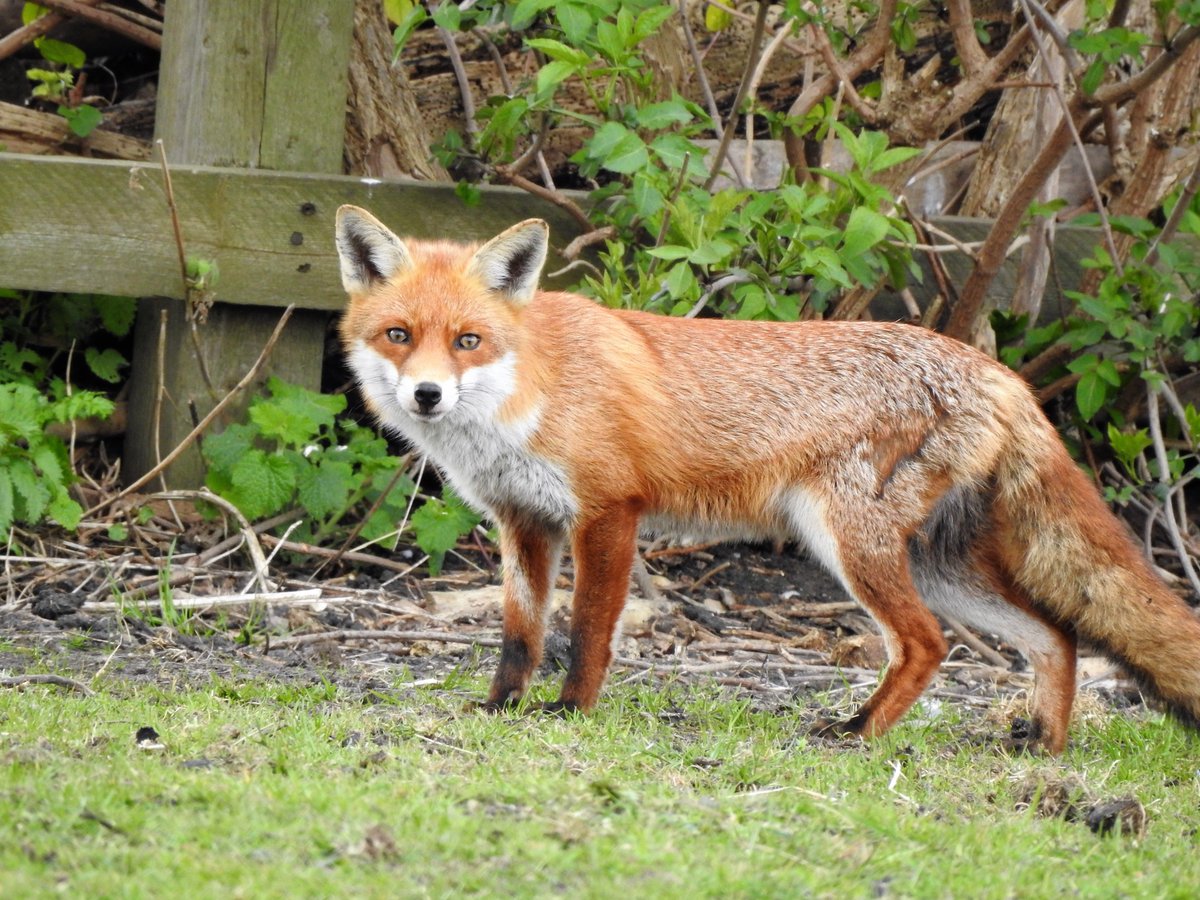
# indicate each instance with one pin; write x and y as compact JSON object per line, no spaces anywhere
{"x":367,"y":251}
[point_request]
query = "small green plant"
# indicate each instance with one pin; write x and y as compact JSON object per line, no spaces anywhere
{"x":37,"y":333}
{"x":295,"y":451}
{"x":59,"y":85}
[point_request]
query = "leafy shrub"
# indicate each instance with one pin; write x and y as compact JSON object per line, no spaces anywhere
{"x":295,"y":451}
{"x":35,"y":332}
{"x":1142,"y":322}
{"x":57,"y":84}
{"x":677,"y":246}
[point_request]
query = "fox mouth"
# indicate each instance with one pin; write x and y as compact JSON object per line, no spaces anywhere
{"x":427,"y":416}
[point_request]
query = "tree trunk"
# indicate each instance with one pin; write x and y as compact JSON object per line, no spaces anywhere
{"x":386,"y":135}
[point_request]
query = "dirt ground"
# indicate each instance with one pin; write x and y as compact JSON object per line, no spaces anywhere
{"x":770,"y":625}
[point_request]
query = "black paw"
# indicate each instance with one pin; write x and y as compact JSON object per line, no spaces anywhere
{"x":495,"y":707}
{"x":838,"y":730}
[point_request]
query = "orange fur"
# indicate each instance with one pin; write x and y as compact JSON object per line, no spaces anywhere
{"x":921,"y":472}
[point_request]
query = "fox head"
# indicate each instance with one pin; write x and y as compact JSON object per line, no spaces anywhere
{"x":432,"y":328}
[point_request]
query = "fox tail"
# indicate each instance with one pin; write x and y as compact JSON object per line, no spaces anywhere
{"x":1075,"y":560}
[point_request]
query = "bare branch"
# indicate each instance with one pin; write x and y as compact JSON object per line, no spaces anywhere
{"x":709,"y":100}
{"x":760,"y":24}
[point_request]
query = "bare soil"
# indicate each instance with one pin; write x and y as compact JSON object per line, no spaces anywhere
{"x":768,"y":624}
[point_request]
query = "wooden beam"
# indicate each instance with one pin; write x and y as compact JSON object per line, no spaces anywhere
{"x":102,"y":226}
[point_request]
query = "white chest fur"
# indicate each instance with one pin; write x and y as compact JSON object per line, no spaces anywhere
{"x":490,"y":465}
{"x":487,"y":460}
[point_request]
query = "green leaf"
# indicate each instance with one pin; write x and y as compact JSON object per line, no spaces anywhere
{"x":224,"y":449}
{"x":263,"y":484}
{"x":557,"y":50}
{"x":575,"y":20}
{"x":406,"y":24}
{"x":105,"y":364}
{"x":65,"y":511}
{"x":448,"y":16}
{"x":681,"y":281}
{"x":646,"y":198}
{"x":1093,"y":77}
{"x":1128,"y":446}
{"x":711,"y":252}
{"x":118,"y":532}
{"x":717,"y":17}
{"x":294,"y":415}
{"x":1107,"y":371}
{"x":468,"y":193}
{"x":670,"y":251}
{"x":865,"y":229}
{"x":32,"y":492}
{"x":527,"y":10}
{"x":82,"y":120}
{"x":117,"y":314}
{"x":893,"y":157}
{"x":325,"y":488}
{"x":549,"y":77}
{"x":1090,"y":394}
{"x":438,"y":525}
{"x":60,"y":52}
{"x":657,"y":116}
{"x":31,"y":12}
{"x":628,"y":156}
{"x":7,"y":511}
{"x":50,"y":458}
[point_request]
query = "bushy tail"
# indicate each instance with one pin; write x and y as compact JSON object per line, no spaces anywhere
{"x":1078,"y":563}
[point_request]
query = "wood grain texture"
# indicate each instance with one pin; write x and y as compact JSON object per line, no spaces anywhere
{"x":103,"y":227}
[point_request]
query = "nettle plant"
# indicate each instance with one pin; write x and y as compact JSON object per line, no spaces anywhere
{"x":679,"y":246}
{"x":297,"y":451}
{"x":37,"y":336}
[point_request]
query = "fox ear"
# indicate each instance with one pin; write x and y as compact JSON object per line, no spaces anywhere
{"x":367,"y":251}
{"x":511,"y":262}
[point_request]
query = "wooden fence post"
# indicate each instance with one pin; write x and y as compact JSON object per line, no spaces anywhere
{"x":261,"y":85}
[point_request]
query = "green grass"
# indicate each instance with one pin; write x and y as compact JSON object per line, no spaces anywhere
{"x":268,"y":789}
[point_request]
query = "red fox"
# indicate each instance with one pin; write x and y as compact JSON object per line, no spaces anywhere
{"x":919,"y":471}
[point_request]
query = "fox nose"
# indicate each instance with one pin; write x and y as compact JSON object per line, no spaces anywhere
{"x":427,"y":394}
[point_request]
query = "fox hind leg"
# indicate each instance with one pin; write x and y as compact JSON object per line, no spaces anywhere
{"x":914,"y":642}
{"x":985,"y":598}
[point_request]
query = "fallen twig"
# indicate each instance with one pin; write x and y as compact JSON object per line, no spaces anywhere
{"x":19,"y":680}
{"x":110,"y":20}
{"x":298,"y":598}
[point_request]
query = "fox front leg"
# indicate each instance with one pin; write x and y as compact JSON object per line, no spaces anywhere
{"x":530,"y":556}
{"x":603,"y":550}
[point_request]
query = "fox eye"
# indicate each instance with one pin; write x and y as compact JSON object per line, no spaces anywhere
{"x":467,"y":341}
{"x":397,"y":335}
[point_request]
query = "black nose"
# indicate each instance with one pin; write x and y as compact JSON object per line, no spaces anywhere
{"x":427,"y":394}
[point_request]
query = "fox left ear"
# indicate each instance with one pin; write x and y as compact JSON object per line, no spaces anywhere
{"x":511,"y":262}
{"x":368,"y":252}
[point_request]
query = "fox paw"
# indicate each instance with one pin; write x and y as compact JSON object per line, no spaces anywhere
{"x":495,"y":707}
{"x":836,"y":729}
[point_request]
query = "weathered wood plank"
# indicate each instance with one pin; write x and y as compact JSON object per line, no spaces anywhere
{"x":245,"y":84}
{"x":97,"y":226}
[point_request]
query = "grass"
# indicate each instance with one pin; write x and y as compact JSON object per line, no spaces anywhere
{"x":267,"y":789}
